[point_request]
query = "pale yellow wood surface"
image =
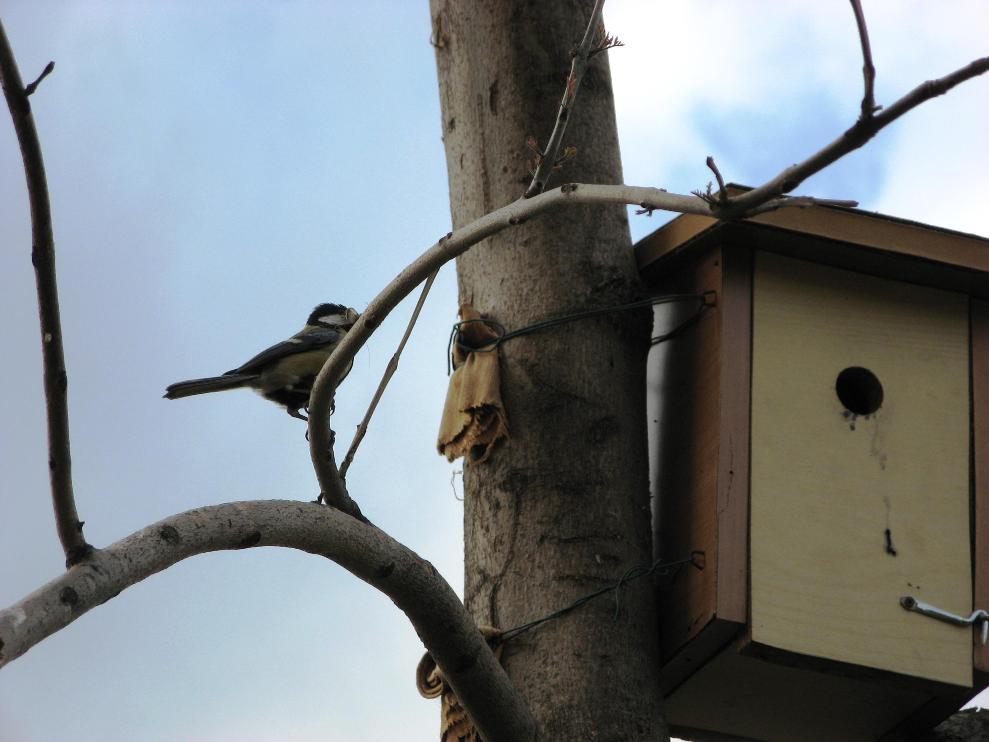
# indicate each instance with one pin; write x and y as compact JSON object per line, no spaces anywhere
{"x":825,"y":487}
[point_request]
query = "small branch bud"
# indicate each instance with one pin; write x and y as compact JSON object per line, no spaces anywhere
{"x":31,"y":87}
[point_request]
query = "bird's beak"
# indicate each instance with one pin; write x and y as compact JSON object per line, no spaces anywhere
{"x":352,"y":316}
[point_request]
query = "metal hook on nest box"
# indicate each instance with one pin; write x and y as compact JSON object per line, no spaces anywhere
{"x":918,"y":606}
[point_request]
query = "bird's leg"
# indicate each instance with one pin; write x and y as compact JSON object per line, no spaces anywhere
{"x":296,"y":414}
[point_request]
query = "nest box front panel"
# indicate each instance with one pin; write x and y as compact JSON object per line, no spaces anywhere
{"x":859,"y":468}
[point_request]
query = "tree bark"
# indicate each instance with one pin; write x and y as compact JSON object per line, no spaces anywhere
{"x":562,"y":508}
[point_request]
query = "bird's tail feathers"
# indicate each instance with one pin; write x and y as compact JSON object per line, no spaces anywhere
{"x":209,"y":384}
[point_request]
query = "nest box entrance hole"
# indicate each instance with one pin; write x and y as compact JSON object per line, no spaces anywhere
{"x":859,"y":390}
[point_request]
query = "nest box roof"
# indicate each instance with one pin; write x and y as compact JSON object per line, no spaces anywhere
{"x":849,"y":238}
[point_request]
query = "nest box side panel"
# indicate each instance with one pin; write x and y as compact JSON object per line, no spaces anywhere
{"x":980,"y":464}
{"x":735,"y":302}
{"x":684,"y":382}
{"x":850,"y":512}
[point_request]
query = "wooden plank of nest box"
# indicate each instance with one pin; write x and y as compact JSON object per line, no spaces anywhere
{"x":857,"y":227}
{"x":826,"y":483}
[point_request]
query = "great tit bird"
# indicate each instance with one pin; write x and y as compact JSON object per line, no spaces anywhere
{"x":285,"y":372}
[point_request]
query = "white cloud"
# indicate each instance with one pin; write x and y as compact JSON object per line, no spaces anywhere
{"x":773,"y":65}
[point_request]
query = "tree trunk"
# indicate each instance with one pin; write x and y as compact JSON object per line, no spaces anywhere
{"x":562,"y":508}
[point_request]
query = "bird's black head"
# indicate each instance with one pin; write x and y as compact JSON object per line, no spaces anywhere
{"x":333,"y":315}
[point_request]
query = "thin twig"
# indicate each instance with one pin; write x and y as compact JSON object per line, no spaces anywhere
{"x":389,"y":372}
{"x":43,"y":257}
{"x":29,"y":90}
{"x":722,"y":198}
{"x":722,"y":190}
{"x":861,"y":132}
{"x":869,"y":106}
{"x":547,"y":160}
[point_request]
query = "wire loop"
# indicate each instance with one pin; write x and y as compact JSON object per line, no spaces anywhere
{"x":705,"y":300}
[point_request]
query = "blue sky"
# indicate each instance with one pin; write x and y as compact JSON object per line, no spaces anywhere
{"x":218,"y":169}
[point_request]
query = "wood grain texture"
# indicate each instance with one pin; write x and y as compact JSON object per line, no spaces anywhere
{"x":826,"y":485}
{"x":980,"y":465}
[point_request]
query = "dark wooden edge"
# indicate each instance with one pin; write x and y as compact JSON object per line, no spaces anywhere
{"x":694,"y":655}
{"x":786,"y":658}
{"x":733,"y":447}
{"x":926,"y":717}
{"x":671,"y":238}
{"x":885,"y":263}
{"x":678,"y":254}
{"x":685,"y":504}
{"x":979,"y":360}
{"x":871,"y":261}
{"x":852,"y":226}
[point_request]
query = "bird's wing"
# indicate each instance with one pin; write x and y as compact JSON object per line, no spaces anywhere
{"x":300,"y":343}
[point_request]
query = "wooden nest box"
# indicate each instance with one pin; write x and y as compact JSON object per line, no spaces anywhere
{"x":821,"y":435}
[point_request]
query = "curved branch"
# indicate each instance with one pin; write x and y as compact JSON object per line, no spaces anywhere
{"x":448,"y":248}
{"x":410,"y":581}
{"x":43,"y":258}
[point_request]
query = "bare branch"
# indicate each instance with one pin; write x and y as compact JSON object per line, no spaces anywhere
{"x":43,"y":258}
{"x":389,"y":372}
{"x":869,"y":106}
{"x":593,"y":38}
{"x":411,"y":582}
{"x":862,"y":131}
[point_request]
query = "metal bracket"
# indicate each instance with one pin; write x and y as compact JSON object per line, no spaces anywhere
{"x":979,"y":616}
